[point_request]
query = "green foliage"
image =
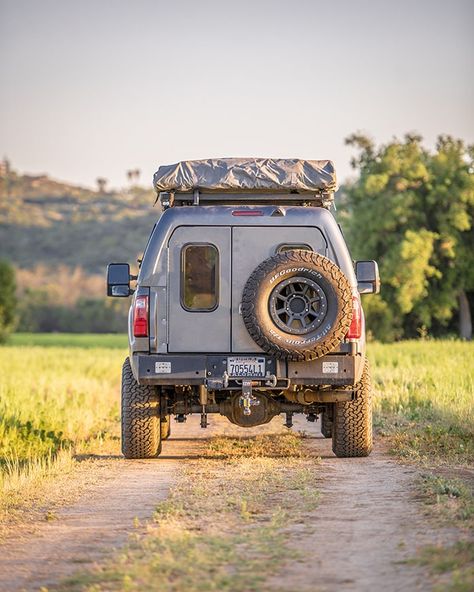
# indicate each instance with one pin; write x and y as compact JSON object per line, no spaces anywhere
{"x":7,"y":300}
{"x":68,"y":340}
{"x":456,"y":559}
{"x":423,"y":399}
{"x":412,"y":210}
{"x":40,"y":313}
{"x":45,"y":221}
{"x":379,"y":320}
{"x":60,"y":238}
{"x":55,"y":397}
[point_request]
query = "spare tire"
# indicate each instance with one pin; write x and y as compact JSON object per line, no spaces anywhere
{"x":297,"y":305}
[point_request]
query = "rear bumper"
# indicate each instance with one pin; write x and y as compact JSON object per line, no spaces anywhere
{"x":197,"y":369}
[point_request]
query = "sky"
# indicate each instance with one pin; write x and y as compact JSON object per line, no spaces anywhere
{"x":94,"y":88}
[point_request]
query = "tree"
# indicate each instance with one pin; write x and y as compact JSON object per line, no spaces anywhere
{"x":133,"y":175}
{"x":101,"y":184}
{"x":413,"y":211}
{"x":7,"y":300}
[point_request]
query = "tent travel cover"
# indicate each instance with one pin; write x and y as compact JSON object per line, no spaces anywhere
{"x":277,"y":175}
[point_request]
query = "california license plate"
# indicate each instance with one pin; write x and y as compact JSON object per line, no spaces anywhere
{"x":243,"y":367}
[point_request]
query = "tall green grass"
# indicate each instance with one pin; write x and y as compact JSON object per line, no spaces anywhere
{"x":52,"y":397}
{"x":56,"y":399}
{"x":424,"y":397}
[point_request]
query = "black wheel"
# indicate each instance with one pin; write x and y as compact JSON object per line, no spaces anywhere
{"x":326,"y":424}
{"x":352,"y":431}
{"x":165,"y":427}
{"x":297,"y":305}
{"x":141,"y":436}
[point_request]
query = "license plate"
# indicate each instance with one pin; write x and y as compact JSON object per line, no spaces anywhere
{"x":243,"y":367}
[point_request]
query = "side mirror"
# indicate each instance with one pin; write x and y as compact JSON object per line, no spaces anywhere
{"x":118,"y":280}
{"x":368,"y":278}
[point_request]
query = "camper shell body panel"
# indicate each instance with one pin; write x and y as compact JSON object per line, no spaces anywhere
{"x":190,"y":340}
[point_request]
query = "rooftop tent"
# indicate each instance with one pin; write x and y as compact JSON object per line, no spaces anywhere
{"x":249,"y":176}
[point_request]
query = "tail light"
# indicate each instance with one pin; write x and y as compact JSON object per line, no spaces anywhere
{"x":355,"y":328}
{"x":140,"y":317}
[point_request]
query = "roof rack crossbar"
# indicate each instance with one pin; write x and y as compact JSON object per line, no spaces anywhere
{"x":196,"y":198}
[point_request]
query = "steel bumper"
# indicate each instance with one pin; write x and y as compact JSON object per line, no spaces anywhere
{"x":209,"y":370}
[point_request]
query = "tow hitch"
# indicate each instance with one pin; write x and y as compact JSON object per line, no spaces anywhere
{"x":247,"y":400}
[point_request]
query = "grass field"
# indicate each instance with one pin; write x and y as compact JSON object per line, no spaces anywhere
{"x":424,"y":398}
{"x":83,"y":340}
{"x":61,"y":392}
{"x":58,"y":393}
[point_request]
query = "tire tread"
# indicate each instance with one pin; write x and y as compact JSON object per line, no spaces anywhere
{"x":140,"y":417}
{"x":352,"y":431}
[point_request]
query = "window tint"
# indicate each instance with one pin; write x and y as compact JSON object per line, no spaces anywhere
{"x":283,"y":248}
{"x":199,"y":274}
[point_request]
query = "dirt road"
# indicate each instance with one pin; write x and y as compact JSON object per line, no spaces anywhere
{"x":367,"y":523}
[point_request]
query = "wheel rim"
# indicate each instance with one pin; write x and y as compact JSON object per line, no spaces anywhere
{"x":298,"y":305}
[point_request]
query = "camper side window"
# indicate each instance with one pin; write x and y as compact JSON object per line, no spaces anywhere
{"x":199,"y":277}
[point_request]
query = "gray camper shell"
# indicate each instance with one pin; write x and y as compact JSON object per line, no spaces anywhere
{"x":247,"y":303}
{"x":242,"y":243}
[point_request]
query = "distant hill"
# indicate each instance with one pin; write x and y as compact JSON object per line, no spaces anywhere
{"x":43,"y":221}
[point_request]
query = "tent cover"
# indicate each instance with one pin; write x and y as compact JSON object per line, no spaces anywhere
{"x":239,"y":175}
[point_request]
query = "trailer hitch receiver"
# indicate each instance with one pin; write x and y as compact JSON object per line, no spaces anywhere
{"x":247,"y":400}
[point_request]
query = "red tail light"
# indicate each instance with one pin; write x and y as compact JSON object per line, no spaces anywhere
{"x":355,"y":329}
{"x":140,"y":317}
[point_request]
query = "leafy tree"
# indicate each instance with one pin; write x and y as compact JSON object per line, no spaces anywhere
{"x":7,"y":300}
{"x":413,"y":211}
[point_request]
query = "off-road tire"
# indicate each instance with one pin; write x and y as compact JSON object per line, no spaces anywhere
{"x":326,"y":425}
{"x":141,"y":436}
{"x":352,"y":430}
{"x":165,"y":427}
{"x":280,"y":268}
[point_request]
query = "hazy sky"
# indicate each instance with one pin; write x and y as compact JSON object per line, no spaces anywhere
{"x":94,"y":87}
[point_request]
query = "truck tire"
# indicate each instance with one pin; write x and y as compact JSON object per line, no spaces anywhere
{"x":297,"y":305}
{"x":352,"y":431}
{"x":326,"y":425}
{"x":165,"y":427}
{"x":141,"y":437}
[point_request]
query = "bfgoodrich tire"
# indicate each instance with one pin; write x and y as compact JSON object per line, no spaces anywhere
{"x":352,"y":430}
{"x":141,"y":434}
{"x":297,"y":305}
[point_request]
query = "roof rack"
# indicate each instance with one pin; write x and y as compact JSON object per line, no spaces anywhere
{"x":170,"y":199}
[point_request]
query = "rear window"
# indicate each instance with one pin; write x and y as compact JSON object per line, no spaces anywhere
{"x":199,"y":277}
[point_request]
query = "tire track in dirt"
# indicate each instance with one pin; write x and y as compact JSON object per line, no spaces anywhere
{"x":366,"y":524}
{"x":101,"y":521}
{"x":87,"y":530}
